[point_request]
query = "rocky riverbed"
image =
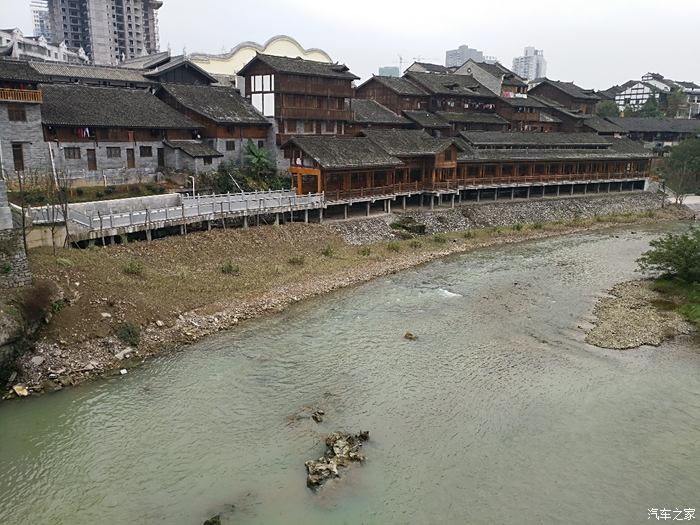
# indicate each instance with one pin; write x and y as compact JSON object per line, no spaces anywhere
{"x":634,"y":315}
{"x":56,"y":363}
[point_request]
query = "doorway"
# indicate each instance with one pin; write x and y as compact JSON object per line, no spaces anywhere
{"x":130,"y":158}
{"x":161,"y":157}
{"x":92,"y":160}
{"x":18,"y":156}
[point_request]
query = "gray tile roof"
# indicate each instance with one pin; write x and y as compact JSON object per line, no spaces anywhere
{"x":223,"y":105}
{"x":299,"y":66}
{"x":399,"y":85}
{"x":176,"y":62}
{"x":656,"y":125}
{"x":80,"y":105}
{"x":431,"y":68}
{"x":472,"y":117}
{"x":530,"y":139}
{"x":426,"y":119}
{"x":525,"y":102}
{"x":66,"y":72}
{"x":571,"y":89}
{"x":18,"y":71}
{"x":147,"y":62}
{"x":372,"y":112}
{"x":194,"y":148}
{"x":407,"y":142}
{"x":437,"y":84}
{"x":344,"y":152}
{"x":601,"y":125}
{"x":498,"y":70}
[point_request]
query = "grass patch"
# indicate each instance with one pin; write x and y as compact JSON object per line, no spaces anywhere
{"x":468,"y":234}
{"x":517,"y":227}
{"x":296,"y":260}
{"x":129,"y":333}
{"x":537,"y":225}
{"x":133,"y":267}
{"x":365,"y":251}
{"x":402,"y":234}
{"x":229,"y":268}
{"x":328,"y":251}
{"x":393,"y":247}
{"x":439,"y":238}
{"x":415,"y":244}
{"x":63,"y":262}
{"x":684,"y":297}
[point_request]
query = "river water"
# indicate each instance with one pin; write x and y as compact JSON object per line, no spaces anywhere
{"x":498,"y":413}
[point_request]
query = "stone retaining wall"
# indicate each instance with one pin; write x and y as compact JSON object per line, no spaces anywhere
{"x":14,"y":268}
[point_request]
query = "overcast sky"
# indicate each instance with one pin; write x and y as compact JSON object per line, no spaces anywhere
{"x":596,"y":43}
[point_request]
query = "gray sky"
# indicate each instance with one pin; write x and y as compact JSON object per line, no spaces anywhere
{"x":596,"y":43}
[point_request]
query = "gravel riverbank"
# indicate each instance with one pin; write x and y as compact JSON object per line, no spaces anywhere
{"x":635,"y":315}
{"x":65,"y":356}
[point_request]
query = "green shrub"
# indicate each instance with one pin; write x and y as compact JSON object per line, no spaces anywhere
{"x":66,"y":263}
{"x":79,"y":192}
{"x":129,"y":333}
{"x":537,"y":226}
{"x":676,"y":255}
{"x":229,"y":268}
{"x":404,"y":235}
{"x":439,"y":238}
{"x":517,"y":227}
{"x":393,"y":247}
{"x":133,"y":267}
{"x":365,"y":251}
{"x":468,"y":234}
{"x":415,"y":244}
{"x":99,"y":194}
{"x":57,"y":306}
{"x":296,"y":260}
{"x":109,"y":190}
{"x":328,"y":251}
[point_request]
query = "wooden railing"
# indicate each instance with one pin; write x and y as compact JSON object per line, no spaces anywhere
{"x":392,"y":189}
{"x":21,"y":95}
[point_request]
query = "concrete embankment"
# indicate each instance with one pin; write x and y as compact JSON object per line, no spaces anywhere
{"x":175,"y":291}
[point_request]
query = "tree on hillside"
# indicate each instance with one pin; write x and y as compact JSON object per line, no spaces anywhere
{"x":607,"y":108}
{"x":676,"y":102}
{"x":682,"y":168}
{"x":650,"y":109}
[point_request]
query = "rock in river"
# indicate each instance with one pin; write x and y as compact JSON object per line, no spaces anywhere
{"x":341,"y":449}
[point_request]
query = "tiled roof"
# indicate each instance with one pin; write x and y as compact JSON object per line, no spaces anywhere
{"x":399,"y":85}
{"x":344,"y":152}
{"x":472,"y":117}
{"x":426,"y":119}
{"x":525,"y":102}
{"x":18,"y":71}
{"x":431,"y":68}
{"x":194,"y":148}
{"x":70,"y":71}
{"x":407,"y":142}
{"x":436,"y":84}
{"x":79,"y":105}
{"x":147,"y":62}
{"x":529,"y":139}
{"x":498,"y":70}
{"x":601,"y":125}
{"x":223,"y":105}
{"x":570,"y":89}
{"x":299,"y":66}
{"x":175,"y":63}
{"x":656,"y":125}
{"x":372,"y":112}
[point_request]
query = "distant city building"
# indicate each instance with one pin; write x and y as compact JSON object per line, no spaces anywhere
{"x":532,"y":65}
{"x":457,"y":57}
{"x":109,"y":31}
{"x":14,"y":44}
{"x":389,"y":71}
{"x":41,"y":19}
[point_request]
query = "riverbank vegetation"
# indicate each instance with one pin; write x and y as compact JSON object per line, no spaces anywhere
{"x":676,"y":257}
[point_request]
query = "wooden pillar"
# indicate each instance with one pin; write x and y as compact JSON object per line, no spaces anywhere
{"x":299,"y":182}
{"x":318,"y":184}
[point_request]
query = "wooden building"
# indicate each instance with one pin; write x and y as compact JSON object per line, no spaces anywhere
{"x":303,"y":96}
{"x":526,"y":114}
{"x":227,"y":120}
{"x":370,"y":114}
{"x":432,"y":123}
{"x":657,"y":132}
{"x":93,"y":129}
{"x":572,"y":97}
{"x":456,"y":93}
{"x":396,"y":93}
{"x":496,"y":77}
{"x":473,"y":121}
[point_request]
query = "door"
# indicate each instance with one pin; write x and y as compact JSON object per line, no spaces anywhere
{"x":130,"y":159}
{"x":92,"y":160}
{"x":161,"y":157}
{"x":18,"y":157}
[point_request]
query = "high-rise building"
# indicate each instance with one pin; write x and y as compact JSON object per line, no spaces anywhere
{"x":389,"y":71}
{"x":41,"y":19}
{"x":109,"y":31}
{"x":532,"y":65}
{"x":457,"y":57}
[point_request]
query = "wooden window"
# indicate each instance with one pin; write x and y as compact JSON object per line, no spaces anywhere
{"x":114,"y":153}
{"x":18,"y":156}
{"x":448,"y":155}
{"x":145,"y":151}
{"x":230,"y":145}
{"x":16,"y":113}
{"x":308,"y":126}
{"x":207,"y":161}
{"x":71,"y":153}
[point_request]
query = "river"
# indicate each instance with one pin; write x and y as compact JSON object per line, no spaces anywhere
{"x":498,"y":413}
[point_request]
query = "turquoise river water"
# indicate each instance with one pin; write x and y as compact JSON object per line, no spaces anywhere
{"x":498,"y":413}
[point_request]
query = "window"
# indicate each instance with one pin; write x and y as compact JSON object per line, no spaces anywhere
{"x":114,"y":153}
{"x":309,"y":126}
{"x":230,"y":145}
{"x":17,"y":113}
{"x":18,"y":157}
{"x":146,"y":151}
{"x":71,"y":153}
{"x":261,"y":144}
{"x":207,"y":161}
{"x":448,"y":155}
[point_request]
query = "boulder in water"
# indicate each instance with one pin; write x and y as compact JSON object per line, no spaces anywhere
{"x":341,"y":449}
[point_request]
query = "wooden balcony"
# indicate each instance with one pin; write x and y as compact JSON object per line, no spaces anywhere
{"x":28,"y":96}
{"x":318,"y":89}
{"x":315,"y":114}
